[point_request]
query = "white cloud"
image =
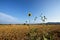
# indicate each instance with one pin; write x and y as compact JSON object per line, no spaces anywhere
{"x":7,"y":19}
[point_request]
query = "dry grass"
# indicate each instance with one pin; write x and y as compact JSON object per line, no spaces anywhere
{"x":18,"y":32}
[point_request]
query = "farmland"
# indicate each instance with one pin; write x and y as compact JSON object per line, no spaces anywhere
{"x":19,"y":32}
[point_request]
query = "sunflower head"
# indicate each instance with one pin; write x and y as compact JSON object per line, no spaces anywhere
{"x":29,"y":14}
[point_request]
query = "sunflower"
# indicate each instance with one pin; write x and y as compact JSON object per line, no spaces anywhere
{"x":29,"y":14}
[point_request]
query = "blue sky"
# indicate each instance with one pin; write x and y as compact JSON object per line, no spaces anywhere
{"x":16,"y":11}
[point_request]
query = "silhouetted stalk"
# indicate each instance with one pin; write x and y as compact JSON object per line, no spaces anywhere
{"x":43,"y":19}
{"x":29,"y":14}
{"x":35,"y":19}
